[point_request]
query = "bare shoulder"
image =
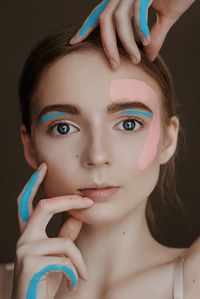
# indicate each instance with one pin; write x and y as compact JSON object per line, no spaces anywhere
{"x":6,"y":277}
{"x":191,"y":271}
{"x":156,"y":282}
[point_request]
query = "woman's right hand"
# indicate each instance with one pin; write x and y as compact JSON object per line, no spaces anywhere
{"x":40,"y":258}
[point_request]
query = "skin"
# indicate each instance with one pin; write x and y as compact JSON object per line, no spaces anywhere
{"x":117,"y":227}
{"x":116,"y":19}
{"x":139,"y":90}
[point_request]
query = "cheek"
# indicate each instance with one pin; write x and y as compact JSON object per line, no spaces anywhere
{"x":61,"y":168}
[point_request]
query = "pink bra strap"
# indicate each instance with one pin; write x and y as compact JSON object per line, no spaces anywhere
{"x":178,"y":278}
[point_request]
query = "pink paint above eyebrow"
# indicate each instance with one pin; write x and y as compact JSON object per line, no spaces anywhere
{"x":138,"y":90}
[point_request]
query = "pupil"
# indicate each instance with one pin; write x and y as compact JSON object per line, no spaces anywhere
{"x":62,"y":129}
{"x":129,"y":124}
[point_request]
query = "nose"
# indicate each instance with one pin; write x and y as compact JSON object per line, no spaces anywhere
{"x":96,"y":152}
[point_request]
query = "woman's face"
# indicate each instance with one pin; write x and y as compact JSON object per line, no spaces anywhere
{"x":123,"y":148}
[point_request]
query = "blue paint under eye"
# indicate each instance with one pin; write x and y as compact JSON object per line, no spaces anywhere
{"x":24,"y":200}
{"x":93,"y":19}
{"x":143,"y":17}
{"x":130,"y":111}
{"x":48,"y":116}
{"x":33,"y":285}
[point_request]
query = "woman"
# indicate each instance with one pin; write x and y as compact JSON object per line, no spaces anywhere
{"x":124,"y":136}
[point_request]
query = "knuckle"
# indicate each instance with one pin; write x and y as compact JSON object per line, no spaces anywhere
{"x":20,"y":252}
{"x":119,"y":16}
{"x":103,"y":18}
{"x":27,"y":262}
{"x":42,"y":205}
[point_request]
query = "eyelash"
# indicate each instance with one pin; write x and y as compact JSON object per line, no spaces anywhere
{"x":52,"y":126}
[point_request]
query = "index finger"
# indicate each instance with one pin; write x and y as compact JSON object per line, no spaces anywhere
{"x":25,"y":198}
{"x":90,"y":23}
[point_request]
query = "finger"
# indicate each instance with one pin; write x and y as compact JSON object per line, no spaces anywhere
{"x":108,"y":35}
{"x":125,"y":31}
{"x":44,"y":211}
{"x":143,"y":17}
{"x":158,"y":35}
{"x":56,"y":246}
{"x":25,"y":198}
{"x":90,"y":23}
{"x":70,"y":228}
{"x":37,"y":269}
{"x":140,"y":18}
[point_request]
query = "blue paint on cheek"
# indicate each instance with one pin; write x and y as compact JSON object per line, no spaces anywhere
{"x":93,"y":19}
{"x":145,"y":113}
{"x":48,"y":116}
{"x":24,"y":200}
{"x":143,"y":17}
{"x":33,"y":285}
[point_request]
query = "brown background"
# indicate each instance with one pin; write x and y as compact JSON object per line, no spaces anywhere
{"x":22,"y":24}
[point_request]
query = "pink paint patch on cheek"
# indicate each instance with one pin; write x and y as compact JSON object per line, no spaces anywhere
{"x":137,"y":90}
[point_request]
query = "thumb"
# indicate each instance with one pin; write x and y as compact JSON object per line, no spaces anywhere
{"x":158,"y":34}
{"x":70,"y":228}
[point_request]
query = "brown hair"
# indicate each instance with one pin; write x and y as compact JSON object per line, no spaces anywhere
{"x":55,"y":47}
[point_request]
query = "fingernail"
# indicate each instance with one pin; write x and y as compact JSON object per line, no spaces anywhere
{"x":113,"y":63}
{"x":87,"y":276}
{"x":134,"y":59}
{"x":145,"y":41}
{"x":73,"y":40}
{"x":41,"y":166}
{"x":86,"y":199}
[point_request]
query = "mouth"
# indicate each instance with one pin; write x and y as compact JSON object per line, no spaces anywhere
{"x":100,"y":194}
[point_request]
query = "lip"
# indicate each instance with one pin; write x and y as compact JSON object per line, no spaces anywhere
{"x":100,"y":194}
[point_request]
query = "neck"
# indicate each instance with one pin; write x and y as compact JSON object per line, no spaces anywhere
{"x":114,"y":244}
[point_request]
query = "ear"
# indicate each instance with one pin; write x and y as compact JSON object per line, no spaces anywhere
{"x":170,"y":140}
{"x":28,"y":148}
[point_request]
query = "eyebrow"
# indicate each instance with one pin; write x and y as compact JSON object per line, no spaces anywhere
{"x":111,"y":108}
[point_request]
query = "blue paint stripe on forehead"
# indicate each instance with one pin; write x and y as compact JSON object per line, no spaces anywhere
{"x":131,"y":111}
{"x":48,"y":116}
{"x":93,"y":19}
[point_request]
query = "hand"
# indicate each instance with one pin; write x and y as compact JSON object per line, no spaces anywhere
{"x":37,"y":255}
{"x":167,"y":14}
{"x":117,"y":14}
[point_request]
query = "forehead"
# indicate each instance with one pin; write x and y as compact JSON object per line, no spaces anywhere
{"x":86,"y":77}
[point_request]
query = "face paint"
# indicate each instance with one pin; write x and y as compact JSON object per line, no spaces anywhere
{"x":48,"y":116}
{"x":26,"y":194}
{"x":138,"y":112}
{"x":137,"y":90}
{"x":33,"y":286}
{"x":93,"y":19}
{"x":143,"y":16}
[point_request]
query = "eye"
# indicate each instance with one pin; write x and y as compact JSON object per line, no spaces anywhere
{"x":131,"y":124}
{"x":61,"y":128}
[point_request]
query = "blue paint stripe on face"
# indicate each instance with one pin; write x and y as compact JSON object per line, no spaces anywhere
{"x":33,"y":285}
{"x":48,"y":116}
{"x":93,"y":19}
{"x":130,"y":111}
{"x":24,"y":200}
{"x":143,"y":17}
